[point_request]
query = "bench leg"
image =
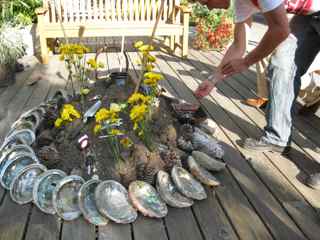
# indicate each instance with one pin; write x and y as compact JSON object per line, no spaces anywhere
{"x":185,"y":36}
{"x":172,"y":43}
{"x":44,"y":50}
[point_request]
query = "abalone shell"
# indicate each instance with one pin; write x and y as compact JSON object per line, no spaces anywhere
{"x":113,"y":202}
{"x":88,"y":205}
{"x":187,"y":184}
{"x":25,"y":135}
{"x":202,"y":174}
{"x":65,"y":197}
{"x":43,"y":189}
{"x":21,"y":188}
{"x":207,"y":144}
{"x":208,"y":162}
{"x":13,"y":151}
{"x":13,"y":166}
{"x":147,"y":200}
{"x":169,"y":192}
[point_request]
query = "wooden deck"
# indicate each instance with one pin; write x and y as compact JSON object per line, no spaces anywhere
{"x":262,"y":195}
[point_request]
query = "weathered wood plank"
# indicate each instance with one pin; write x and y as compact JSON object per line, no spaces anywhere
{"x":212,"y":219}
{"x":182,"y":225}
{"x":308,"y":125}
{"x":115,"y":231}
{"x":269,"y":174}
{"x":286,"y":164}
{"x":78,"y":230}
{"x":42,"y":226}
{"x":145,"y":228}
{"x":230,"y":193}
{"x":13,"y":219}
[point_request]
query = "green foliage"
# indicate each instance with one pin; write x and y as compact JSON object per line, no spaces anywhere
{"x":18,"y":12}
{"x":212,"y":18}
{"x":12,"y":46}
{"x":214,"y":27}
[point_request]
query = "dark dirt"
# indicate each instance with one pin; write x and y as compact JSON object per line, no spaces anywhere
{"x":163,"y":123}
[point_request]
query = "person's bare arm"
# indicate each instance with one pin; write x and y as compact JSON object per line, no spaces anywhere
{"x":278,"y":31}
{"x":238,"y":46}
{"x":236,"y":50}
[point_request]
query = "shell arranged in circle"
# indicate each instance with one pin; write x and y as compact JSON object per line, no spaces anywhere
{"x":113,"y":202}
{"x":187,"y":184}
{"x":65,"y":197}
{"x":88,"y":205}
{"x":147,"y":200}
{"x":208,"y":162}
{"x":169,"y":192}
{"x":21,"y":188}
{"x":21,"y":124}
{"x":13,"y":166}
{"x":43,"y":189}
{"x":202,"y":174}
{"x":14,"y":151}
{"x":25,"y":135}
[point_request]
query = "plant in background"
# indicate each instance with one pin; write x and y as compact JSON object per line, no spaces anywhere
{"x":67,"y":115}
{"x":139,"y":112}
{"x":109,"y":122}
{"x":214,"y":27}
{"x":12,"y":46}
{"x":18,"y":12}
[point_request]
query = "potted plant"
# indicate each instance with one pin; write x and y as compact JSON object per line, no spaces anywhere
{"x":12,"y":48}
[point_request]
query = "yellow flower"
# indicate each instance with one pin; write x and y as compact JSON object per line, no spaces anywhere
{"x":150,"y":82}
{"x":58,"y":122}
{"x":153,"y":75}
{"x":116,"y":132}
{"x":68,"y":51}
{"x":94,"y":64}
{"x":146,"y":48}
{"x":151,"y":58}
{"x":114,"y":107}
{"x":149,"y":67}
{"x":138,"y":112}
{"x":126,"y":142}
{"x":138,"y":98}
{"x":138,"y":44}
{"x":102,"y":115}
{"x":84,"y":91}
{"x":97,"y":128}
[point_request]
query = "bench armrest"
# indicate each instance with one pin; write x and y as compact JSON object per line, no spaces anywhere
{"x":183,"y":9}
{"x":41,"y":11}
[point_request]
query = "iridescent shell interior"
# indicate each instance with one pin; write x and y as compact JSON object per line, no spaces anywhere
{"x":112,"y":201}
{"x":88,"y":205}
{"x":22,"y":185}
{"x":44,"y":187}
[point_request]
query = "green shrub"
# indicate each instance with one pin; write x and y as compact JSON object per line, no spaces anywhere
{"x":18,"y":12}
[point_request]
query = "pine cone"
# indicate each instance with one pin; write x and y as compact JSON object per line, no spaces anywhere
{"x":49,"y":155}
{"x":127,"y":172}
{"x":170,"y":159}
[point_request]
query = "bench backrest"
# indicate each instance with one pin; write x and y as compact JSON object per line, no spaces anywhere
{"x":73,"y":11}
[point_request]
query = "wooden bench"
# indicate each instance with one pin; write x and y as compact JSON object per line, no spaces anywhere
{"x":111,"y":18}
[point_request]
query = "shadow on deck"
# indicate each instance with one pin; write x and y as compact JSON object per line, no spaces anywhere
{"x":262,"y":195}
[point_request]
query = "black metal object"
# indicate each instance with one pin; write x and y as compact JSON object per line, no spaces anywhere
{"x":119,"y":78}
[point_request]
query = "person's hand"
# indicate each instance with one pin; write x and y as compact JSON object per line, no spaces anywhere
{"x":234,"y":66}
{"x":204,"y":89}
